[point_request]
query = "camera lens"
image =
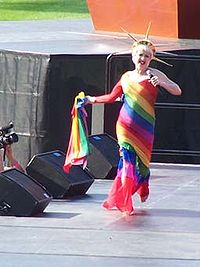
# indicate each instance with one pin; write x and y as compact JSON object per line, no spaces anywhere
{"x":12,"y":138}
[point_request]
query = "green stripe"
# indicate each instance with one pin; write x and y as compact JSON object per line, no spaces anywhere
{"x":144,"y":170}
{"x":135,"y":106}
{"x":83,"y":138}
{"x":126,"y":145}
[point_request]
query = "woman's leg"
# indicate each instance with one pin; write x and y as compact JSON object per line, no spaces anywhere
{"x":143,"y":191}
{"x":120,"y":194}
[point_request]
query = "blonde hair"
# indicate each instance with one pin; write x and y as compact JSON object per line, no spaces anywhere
{"x":143,"y":48}
{"x":149,"y":45}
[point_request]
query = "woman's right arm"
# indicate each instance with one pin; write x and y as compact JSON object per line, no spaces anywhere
{"x":108,"y":98}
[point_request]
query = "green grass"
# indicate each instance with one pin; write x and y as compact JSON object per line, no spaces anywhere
{"x":43,"y":9}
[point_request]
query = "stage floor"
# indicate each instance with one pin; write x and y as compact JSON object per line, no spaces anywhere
{"x":74,"y":37}
{"x":165,"y":231}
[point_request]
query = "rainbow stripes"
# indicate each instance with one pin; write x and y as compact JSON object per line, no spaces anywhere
{"x":78,"y":147}
{"x":135,"y":126}
{"x":135,"y":133}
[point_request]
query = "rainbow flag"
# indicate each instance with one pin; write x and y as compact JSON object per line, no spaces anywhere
{"x":78,"y":147}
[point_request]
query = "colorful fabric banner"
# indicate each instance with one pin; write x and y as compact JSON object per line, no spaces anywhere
{"x":78,"y":147}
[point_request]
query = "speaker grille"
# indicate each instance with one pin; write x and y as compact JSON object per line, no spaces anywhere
{"x":47,"y":168}
{"x":104,"y":157}
{"x":20,"y":195}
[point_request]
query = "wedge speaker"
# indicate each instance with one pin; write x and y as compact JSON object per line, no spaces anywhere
{"x":47,"y":169}
{"x":20,"y":195}
{"x":104,"y":157}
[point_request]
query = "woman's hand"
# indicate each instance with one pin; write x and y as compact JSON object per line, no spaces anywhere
{"x":155,"y":80}
{"x":90,"y":99}
{"x":159,"y":78}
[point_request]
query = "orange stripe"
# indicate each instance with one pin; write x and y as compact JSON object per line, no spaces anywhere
{"x":139,"y":93}
{"x":137,"y":134}
{"x":141,"y":150}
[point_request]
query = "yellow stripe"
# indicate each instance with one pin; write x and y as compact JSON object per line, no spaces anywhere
{"x":144,"y":154}
{"x":133,"y":90}
{"x":142,"y":102}
{"x":141,"y":154}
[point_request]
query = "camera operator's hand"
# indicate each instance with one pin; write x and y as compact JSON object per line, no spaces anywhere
{"x":1,"y":160}
{"x":13,"y":162}
{"x":9,"y":153}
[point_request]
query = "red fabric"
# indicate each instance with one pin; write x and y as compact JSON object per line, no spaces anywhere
{"x":143,"y":191}
{"x":120,"y":196}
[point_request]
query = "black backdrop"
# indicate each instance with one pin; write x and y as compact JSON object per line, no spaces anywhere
{"x":70,"y":74}
{"x":37,"y":92}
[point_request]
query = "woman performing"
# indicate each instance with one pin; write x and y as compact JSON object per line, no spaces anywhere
{"x":135,"y":126}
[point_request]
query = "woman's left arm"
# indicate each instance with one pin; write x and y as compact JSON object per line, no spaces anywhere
{"x":159,"y":78}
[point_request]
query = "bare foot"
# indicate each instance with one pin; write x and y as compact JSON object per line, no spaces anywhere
{"x":127,"y":213}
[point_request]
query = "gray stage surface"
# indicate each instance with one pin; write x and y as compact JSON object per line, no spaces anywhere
{"x":74,"y":37}
{"x":165,"y":231}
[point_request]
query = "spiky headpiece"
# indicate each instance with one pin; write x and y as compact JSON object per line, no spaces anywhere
{"x":146,"y":42}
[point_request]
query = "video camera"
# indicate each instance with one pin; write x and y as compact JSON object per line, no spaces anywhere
{"x":6,"y":136}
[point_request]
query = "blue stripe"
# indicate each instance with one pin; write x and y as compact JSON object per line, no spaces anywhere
{"x":131,"y":158}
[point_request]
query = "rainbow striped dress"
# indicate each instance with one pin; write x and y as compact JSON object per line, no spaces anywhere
{"x":135,"y":134}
